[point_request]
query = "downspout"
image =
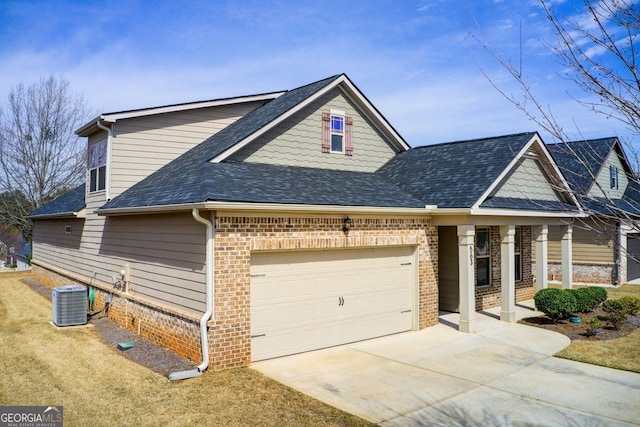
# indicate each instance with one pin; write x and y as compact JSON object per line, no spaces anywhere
{"x":108,"y":168}
{"x":204,"y":339}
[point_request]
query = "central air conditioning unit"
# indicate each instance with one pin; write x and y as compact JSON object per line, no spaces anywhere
{"x":69,"y":305}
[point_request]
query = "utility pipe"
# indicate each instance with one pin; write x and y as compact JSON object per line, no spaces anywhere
{"x":108,"y":165}
{"x":209,"y":263}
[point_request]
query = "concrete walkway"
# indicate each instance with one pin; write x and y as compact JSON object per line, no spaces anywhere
{"x":502,"y":375}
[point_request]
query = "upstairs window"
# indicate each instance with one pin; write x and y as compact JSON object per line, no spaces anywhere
{"x":613,"y":176}
{"x":337,"y":133}
{"x":97,"y":167}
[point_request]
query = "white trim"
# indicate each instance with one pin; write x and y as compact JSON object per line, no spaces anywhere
{"x":338,"y":114}
{"x":344,"y":80}
{"x":516,"y":212}
{"x":113,"y":117}
{"x":242,"y":206}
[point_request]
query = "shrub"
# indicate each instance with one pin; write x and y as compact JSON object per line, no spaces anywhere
{"x":586,"y":299}
{"x":630,"y":305}
{"x":613,"y":305}
{"x":556,"y":303}
{"x":594,"y":326}
{"x":598,"y":294}
{"x":615,"y":319}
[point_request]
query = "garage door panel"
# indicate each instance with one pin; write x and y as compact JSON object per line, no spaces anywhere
{"x":302,"y":301}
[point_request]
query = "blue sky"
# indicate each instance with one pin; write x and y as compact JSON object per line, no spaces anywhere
{"x":412,"y":59}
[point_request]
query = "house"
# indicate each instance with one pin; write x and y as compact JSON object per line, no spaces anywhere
{"x":249,"y":228}
{"x":606,"y":244}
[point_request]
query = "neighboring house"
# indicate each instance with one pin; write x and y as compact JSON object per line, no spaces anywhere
{"x":606,"y":245}
{"x":297,"y":220}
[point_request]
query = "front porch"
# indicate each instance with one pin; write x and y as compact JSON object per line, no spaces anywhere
{"x":485,"y":266}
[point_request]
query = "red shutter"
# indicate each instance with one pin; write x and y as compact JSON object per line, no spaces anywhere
{"x":348,"y":136}
{"x":326,"y":132}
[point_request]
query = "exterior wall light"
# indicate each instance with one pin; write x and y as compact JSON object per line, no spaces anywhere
{"x":346,"y":224}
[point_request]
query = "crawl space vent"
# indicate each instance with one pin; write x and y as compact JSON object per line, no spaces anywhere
{"x":69,"y":305}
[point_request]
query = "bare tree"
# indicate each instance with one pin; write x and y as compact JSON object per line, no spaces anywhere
{"x":599,"y":49}
{"x":40,"y":156}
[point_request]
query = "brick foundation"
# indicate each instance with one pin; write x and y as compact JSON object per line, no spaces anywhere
{"x":162,"y":325}
{"x":584,"y":272}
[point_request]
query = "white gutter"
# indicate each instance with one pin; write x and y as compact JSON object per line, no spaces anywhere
{"x":204,"y":338}
{"x":108,"y":165}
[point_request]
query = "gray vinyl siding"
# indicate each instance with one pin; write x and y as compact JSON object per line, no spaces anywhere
{"x":528,"y":181}
{"x":165,"y":253}
{"x":143,"y":145}
{"x":297,"y":140}
{"x":603,"y":182}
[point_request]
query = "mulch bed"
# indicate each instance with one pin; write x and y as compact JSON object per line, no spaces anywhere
{"x":577,"y":331}
{"x":145,"y":352}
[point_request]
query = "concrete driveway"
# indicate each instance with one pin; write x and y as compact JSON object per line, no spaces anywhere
{"x":503,"y":374}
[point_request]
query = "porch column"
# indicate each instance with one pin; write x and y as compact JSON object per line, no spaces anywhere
{"x":466,"y":260}
{"x":567,"y":257}
{"x":542,"y":259}
{"x":508,"y":272}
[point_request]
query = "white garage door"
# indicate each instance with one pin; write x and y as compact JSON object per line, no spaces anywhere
{"x":302,"y":301}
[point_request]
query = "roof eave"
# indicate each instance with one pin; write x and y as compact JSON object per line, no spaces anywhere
{"x":526,"y":212}
{"x":61,"y":215}
{"x":265,"y":207}
{"x":110,"y":118}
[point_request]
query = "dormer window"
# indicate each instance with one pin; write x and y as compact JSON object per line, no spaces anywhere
{"x":337,"y":131}
{"x":613,"y":176}
{"x":97,"y":167}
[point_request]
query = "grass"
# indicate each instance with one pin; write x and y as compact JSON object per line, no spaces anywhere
{"x":620,"y":353}
{"x":96,"y":386}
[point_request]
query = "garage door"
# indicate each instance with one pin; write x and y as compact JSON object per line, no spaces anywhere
{"x":633,"y":256}
{"x":302,"y":301}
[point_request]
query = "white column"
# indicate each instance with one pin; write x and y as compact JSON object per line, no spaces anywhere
{"x":508,"y":272}
{"x":567,"y":257}
{"x":466,"y":261}
{"x":542,"y":258}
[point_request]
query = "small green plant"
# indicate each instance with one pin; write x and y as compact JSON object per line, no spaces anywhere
{"x":613,"y":305}
{"x":630,"y":305}
{"x":594,"y":326}
{"x":615,"y":319}
{"x":556,"y":303}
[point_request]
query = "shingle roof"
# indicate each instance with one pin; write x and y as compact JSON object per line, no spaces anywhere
{"x":72,"y":201}
{"x":262,"y":183}
{"x":580,"y":161}
{"x":191,"y":178}
{"x":528,"y":204}
{"x":453,"y":175}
